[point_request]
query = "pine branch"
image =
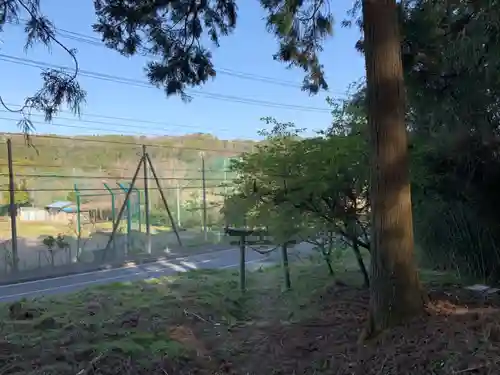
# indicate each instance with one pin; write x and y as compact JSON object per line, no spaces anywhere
{"x":58,"y":87}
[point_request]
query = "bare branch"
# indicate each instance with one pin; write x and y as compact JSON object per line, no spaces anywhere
{"x":59,"y":87}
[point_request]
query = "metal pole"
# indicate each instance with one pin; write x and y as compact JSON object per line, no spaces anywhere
{"x":204,"y":187}
{"x":12,"y":208}
{"x":139,"y":208}
{"x":120,"y":213}
{"x":178,"y":194}
{"x":113,"y":209}
{"x":78,"y":220}
{"x":113,"y":206}
{"x":146,"y":198}
{"x":138,"y":193}
{"x":225,"y":187}
{"x":174,"y":227}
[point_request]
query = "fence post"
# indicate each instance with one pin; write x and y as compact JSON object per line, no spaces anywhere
{"x":12,"y":207}
{"x":204,"y":195}
{"x":139,"y":211}
{"x":243,"y":281}
{"x":136,"y":208}
{"x":146,"y":199}
{"x":78,"y":220}
{"x":286,"y":267}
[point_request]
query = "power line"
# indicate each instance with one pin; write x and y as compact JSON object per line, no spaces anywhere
{"x":128,"y":119}
{"x":229,"y":72}
{"x":79,"y":127}
{"x":61,"y":166}
{"x":113,"y":189}
{"x":107,"y":177}
{"x":94,"y":41}
{"x":93,"y":167}
{"x":139,"y":83}
{"x":118,"y":124}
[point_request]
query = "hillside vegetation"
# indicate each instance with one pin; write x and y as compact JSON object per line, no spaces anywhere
{"x":88,"y":161}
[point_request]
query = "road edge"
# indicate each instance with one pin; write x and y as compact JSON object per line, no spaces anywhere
{"x":105,"y":267}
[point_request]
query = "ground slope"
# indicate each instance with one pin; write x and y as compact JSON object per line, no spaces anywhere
{"x":200,"y":323}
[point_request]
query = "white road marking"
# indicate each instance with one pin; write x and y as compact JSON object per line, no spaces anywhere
{"x":159,"y":261}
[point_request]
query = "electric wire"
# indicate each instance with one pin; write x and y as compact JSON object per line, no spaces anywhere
{"x":138,"y":83}
{"x":146,"y":123}
{"x":108,"y":177}
{"x":94,"y":41}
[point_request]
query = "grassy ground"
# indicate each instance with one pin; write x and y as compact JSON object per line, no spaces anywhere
{"x":200,"y":323}
{"x":34,"y":229}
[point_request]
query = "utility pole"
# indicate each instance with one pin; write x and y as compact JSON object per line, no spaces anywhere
{"x":204,"y":194}
{"x":12,"y":207}
{"x":225,"y":177}
{"x":146,"y":198}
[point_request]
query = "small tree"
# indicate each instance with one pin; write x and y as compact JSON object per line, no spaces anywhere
{"x":325,"y":191}
{"x":54,"y":245}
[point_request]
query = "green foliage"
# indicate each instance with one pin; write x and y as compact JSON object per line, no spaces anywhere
{"x":451,"y":61}
{"x":304,"y":187}
{"x":49,"y":241}
{"x":301,"y":27}
{"x":59,"y":87}
{"x":171,"y":31}
{"x":60,"y":241}
{"x":21,"y":194}
{"x":54,"y":245}
{"x":175,"y":32}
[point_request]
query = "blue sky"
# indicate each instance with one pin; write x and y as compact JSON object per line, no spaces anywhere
{"x":248,"y":50}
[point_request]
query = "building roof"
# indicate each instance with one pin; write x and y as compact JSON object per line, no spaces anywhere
{"x":85,"y":207}
{"x":59,"y":205}
{"x":69,"y":209}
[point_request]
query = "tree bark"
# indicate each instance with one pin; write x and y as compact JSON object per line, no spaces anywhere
{"x":395,"y":290}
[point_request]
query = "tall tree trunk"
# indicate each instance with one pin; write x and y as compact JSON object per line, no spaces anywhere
{"x":395,"y":291}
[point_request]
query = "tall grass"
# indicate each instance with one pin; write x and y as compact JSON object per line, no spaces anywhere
{"x":453,"y":236}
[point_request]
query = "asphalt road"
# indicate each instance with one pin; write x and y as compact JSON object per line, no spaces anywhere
{"x":215,"y":260}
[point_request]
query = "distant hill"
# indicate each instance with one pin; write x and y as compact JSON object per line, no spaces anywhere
{"x":52,"y":164}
